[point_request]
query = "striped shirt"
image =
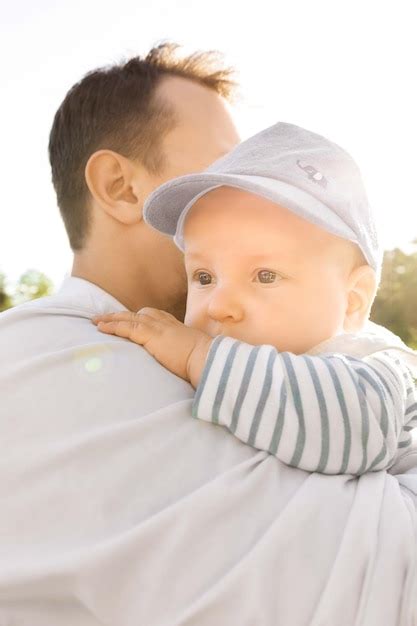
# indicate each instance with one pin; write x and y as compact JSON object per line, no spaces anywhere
{"x":333,"y":413}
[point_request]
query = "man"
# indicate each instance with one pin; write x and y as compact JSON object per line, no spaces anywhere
{"x":118,"y":135}
{"x":117,"y":507}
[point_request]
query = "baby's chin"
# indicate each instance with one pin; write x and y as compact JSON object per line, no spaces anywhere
{"x":252,"y":338}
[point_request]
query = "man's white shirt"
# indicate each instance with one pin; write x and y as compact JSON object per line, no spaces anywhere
{"x":119,"y":509}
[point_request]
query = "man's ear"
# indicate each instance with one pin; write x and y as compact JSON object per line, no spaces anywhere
{"x":361,"y":292}
{"x":111,"y":180}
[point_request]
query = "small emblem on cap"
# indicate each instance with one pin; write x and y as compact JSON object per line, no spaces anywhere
{"x":313,"y":174}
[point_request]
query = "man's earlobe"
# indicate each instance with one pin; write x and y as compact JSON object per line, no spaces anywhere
{"x":110,"y":178}
{"x":361,"y":292}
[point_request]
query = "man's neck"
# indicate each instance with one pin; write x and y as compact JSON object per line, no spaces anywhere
{"x":132,"y":286}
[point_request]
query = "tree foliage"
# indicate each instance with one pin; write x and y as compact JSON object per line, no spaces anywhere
{"x":5,"y":298}
{"x":31,"y":285}
{"x":396,"y":303}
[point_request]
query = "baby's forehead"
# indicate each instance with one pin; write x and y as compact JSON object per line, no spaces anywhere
{"x":241,"y":218}
{"x":230,"y":203}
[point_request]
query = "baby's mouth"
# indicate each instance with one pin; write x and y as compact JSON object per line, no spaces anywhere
{"x":227,"y":333}
{"x":214,"y":332}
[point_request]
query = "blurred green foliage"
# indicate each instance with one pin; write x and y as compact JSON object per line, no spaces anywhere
{"x":5,"y":299}
{"x":32,"y":284}
{"x":395,"y":305}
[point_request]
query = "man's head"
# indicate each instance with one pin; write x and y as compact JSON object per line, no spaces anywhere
{"x":133,"y":109}
{"x":122,"y":131}
{"x":259,"y":273}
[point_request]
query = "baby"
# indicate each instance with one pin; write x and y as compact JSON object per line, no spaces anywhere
{"x":283,"y":265}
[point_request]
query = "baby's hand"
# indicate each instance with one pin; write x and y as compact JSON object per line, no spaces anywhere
{"x":181,"y":349}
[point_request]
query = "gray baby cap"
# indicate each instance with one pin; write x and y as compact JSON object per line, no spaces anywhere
{"x":299,"y":170}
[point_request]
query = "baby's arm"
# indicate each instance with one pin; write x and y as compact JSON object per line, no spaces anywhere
{"x":332,"y":413}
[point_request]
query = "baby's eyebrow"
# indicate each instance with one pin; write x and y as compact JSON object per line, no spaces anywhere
{"x":193,"y":256}
{"x":272,"y":260}
{"x":251,"y":257}
{"x":261,"y":257}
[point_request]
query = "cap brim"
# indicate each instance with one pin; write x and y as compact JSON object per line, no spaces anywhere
{"x":172,"y":201}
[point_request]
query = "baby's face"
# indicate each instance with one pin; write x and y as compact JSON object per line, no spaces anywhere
{"x":260,"y":274}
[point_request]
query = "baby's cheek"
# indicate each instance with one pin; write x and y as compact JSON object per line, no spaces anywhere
{"x":305,"y":321}
{"x":327,"y":311}
{"x":191,"y":310}
{"x":189,"y":319}
{"x":195,"y":317}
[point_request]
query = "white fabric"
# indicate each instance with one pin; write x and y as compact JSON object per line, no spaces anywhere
{"x":372,"y":339}
{"x":119,"y":509}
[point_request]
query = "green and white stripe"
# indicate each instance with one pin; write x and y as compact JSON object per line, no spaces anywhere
{"x":327,"y":413}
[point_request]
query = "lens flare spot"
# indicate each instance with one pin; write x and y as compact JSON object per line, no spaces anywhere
{"x":94,"y":364}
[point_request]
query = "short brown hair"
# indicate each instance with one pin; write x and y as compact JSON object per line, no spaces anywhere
{"x":114,"y":108}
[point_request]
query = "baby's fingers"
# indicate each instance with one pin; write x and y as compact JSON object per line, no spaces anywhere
{"x":134,"y":330}
{"x":158,"y":314}
{"x":126,"y":316}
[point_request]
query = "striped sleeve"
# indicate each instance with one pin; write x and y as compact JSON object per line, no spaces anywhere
{"x":333,"y":414}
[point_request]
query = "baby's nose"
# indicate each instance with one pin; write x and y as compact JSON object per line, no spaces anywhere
{"x":225,"y":305}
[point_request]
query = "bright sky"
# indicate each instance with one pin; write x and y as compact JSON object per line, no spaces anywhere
{"x":343,"y":69}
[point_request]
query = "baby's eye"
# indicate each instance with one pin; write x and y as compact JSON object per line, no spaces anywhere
{"x":204,"y":278}
{"x":266,"y":276}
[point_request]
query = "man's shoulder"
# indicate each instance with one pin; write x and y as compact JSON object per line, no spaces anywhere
{"x":55,"y":338}
{"x":45,"y":319}
{"x":76,"y":297}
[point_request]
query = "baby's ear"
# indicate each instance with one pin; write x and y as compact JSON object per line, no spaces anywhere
{"x":361,"y":291}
